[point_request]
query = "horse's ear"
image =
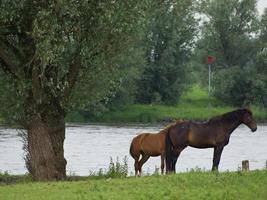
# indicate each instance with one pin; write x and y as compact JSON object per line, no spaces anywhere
{"x":247,"y":109}
{"x":179,"y":121}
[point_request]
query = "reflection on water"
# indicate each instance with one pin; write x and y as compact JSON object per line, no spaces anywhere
{"x":89,"y":148}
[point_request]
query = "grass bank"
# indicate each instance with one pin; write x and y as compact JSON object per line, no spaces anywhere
{"x":194,"y":106}
{"x":192,"y":185}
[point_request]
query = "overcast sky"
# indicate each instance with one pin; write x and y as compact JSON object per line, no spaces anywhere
{"x":261,"y":5}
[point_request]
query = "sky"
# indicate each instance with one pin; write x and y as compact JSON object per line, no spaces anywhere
{"x":262,"y":4}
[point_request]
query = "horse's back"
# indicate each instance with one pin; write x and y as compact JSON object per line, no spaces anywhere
{"x":153,"y":144}
{"x":195,"y":134}
{"x":148,"y":143}
{"x":201,"y":135}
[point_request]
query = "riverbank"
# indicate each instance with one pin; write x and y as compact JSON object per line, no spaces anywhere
{"x":192,"y":185}
{"x":193,"y":106}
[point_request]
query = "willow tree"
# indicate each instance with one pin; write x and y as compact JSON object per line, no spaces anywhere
{"x":55,"y":55}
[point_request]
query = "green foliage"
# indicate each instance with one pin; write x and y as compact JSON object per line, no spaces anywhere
{"x":62,"y":54}
{"x":228,"y":31}
{"x":263,"y":28}
{"x":193,"y":185}
{"x":117,"y":170}
{"x":9,"y":105}
{"x":168,"y":44}
{"x":243,"y":87}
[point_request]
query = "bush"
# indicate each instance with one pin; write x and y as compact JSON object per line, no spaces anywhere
{"x":240,"y":86}
{"x":6,"y":178}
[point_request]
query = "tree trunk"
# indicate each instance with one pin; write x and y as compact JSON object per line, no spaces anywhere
{"x":46,"y":160}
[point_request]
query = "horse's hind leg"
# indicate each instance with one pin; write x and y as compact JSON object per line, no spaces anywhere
{"x":142,"y":161}
{"x":136,"y":164}
{"x":162,"y":157}
{"x":136,"y":156}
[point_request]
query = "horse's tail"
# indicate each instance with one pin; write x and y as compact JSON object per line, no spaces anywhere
{"x":131,"y":149}
{"x":168,"y":153}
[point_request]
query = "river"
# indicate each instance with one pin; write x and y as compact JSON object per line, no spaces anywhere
{"x":88,"y":148}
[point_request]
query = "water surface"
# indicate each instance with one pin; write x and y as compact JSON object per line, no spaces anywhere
{"x":88,"y":148}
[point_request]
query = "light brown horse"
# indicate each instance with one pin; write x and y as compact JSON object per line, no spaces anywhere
{"x":214,"y":133}
{"x":149,"y":144}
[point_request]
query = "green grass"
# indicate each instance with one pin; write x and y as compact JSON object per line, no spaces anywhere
{"x":194,"y":105}
{"x":116,"y":169}
{"x":192,"y":185}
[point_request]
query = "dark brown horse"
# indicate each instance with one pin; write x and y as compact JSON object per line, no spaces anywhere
{"x":214,"y":133}
{"x":149,"y":144}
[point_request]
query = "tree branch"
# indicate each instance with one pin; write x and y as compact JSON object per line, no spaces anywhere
{"x":73,"y":74}
{"x":10,"y":67}
{"x":36,"y":89}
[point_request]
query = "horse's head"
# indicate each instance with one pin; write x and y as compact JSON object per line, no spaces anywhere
{"x":248,"y":119}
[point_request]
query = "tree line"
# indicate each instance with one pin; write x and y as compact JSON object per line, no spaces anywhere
{"x":175,"y":45}
{"x":58,"y":56}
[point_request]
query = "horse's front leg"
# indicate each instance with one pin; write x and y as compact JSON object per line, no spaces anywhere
{"x":217,"y":156}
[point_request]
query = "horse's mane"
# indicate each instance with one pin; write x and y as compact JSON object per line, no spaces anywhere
{"x":230,"y":116}
{"x":166,"y":129}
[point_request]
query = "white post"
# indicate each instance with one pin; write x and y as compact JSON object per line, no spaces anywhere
{"x":209,"y":78}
